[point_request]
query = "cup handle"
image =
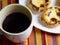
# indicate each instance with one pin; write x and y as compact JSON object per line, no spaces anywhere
{"x":1,"y":32}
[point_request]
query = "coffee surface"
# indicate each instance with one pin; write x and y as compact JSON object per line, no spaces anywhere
{"x":16,"y":22}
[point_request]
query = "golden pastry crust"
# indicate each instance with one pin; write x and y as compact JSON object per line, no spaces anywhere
{"x":38,"y":5}
{"x":51,"y":16}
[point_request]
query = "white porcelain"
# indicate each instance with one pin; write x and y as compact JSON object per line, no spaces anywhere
{"x":16,"y":37}
{"x":36,"y":15}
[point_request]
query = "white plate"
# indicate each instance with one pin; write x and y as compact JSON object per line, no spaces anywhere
{"x":38,"y":24}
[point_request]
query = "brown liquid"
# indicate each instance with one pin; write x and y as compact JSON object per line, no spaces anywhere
{"x":16,"y":22}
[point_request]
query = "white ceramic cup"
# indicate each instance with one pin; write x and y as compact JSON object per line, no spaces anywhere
{"x":16,"y":37}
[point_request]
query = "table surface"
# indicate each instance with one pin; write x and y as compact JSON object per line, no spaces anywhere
{"x":37,"y":36}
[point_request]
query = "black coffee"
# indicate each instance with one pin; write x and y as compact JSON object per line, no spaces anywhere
{"x":16,"y":22}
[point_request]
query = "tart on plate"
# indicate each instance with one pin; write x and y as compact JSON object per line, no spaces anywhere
{"x":51,"y":16}
{"x":38,"y":5}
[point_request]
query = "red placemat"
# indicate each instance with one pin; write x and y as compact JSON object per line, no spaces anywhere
{"x":37,"y":36}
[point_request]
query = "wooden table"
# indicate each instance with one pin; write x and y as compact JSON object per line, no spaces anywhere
{"x":37,"y":36}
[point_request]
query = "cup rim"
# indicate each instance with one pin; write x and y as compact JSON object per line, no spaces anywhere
{"x":26,"y":28}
